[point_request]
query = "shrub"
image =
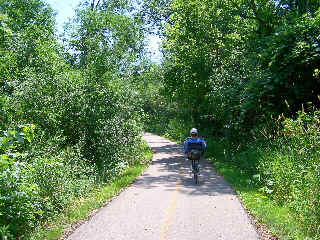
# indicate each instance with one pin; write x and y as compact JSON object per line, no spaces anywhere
{"x":291,"y":168}
{"x":37,"y":180}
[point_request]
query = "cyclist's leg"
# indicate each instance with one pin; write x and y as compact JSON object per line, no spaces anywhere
{"x":197,"y":165}
{"x":193,"y":164}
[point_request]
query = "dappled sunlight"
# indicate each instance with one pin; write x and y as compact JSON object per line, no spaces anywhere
{"x":173,"y":168}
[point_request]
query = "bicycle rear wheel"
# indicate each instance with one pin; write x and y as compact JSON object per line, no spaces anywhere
{"x":196,"y":171}
{"x":196,"y":177}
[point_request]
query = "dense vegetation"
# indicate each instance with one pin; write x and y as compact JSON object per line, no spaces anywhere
{"x":70,"y":114}
{"x":73,"y":107}
{"x":247,"y":74}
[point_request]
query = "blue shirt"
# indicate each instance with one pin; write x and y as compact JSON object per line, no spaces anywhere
{"x":194,"y":140}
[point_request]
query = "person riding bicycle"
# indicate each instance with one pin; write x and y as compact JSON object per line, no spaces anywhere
{"x":194,"y":146}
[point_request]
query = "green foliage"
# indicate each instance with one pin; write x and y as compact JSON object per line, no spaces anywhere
{"x":12,"y":142}
{"x":155,"y":106}
{"x":27,"y":31}
{"x":206,"y":69}
{"x":177,"y":129}
{"x":233,"y":64}
{"x":36,"y":180}
{"x":290,"y":169}
{"x":103,"y":39}
{"x":69,"y":120}
{"x":289,"y":60}
{"x":230,"y":67}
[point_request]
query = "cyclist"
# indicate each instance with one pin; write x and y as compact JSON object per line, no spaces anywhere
{"x":194,"y":146}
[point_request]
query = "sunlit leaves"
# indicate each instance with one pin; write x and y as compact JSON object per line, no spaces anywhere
{"x":26,"y":27}
{"x":106,"y":40}
{"x":241,"y":58}
{"x":204,"y":47}
{"x":85,"y":116}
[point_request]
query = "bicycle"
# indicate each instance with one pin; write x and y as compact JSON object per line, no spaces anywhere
{"x":195,"y":170}
{"x":195,"y":153}
{"x":195,"y":156}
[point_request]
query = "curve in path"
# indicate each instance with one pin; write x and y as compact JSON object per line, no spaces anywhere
{"x":165,"y":204}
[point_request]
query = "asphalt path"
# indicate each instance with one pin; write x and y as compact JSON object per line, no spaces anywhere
{"x":165,"y":204}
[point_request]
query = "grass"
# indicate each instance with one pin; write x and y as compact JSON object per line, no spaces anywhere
{"x":278,"y":219}
{"x":81,"y":209}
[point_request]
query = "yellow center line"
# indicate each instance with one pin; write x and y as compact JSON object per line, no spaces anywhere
{"x":171,"y":209}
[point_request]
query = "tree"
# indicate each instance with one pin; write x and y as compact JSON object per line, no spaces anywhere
{"x":106,"y":38}
{"x":27,"y":31}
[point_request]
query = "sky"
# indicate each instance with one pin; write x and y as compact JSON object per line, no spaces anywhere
{"x":65,"y":10}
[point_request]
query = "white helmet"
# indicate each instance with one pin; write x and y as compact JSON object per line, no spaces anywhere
{"x":193,"y":131}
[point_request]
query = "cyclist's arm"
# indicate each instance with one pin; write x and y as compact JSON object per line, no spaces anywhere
{"x":204,"y":144}
{"x":185,"y":147}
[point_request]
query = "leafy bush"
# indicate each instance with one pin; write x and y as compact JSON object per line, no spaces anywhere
{"x":65,"y":127}
{"x":288,"y":63}
{"x":102,"y":115}
{"x":291,"y":168}
{"x":33,"y":188}
{"x":85,"y":132}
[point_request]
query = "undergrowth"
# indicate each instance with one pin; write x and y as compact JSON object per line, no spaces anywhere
{"x":276,"y":175}
{"x":80,"y":208}
{"x":39,"y":178}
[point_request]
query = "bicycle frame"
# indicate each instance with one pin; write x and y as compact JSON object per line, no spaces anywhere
{"x":195,"y":170}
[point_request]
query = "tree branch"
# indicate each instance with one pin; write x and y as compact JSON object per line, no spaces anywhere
{"x":98,"y":3}
{"x":93,"y":5}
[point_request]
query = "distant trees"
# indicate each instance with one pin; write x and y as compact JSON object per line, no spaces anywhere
{"x":241,"y":70}
{"x":235,"y":63}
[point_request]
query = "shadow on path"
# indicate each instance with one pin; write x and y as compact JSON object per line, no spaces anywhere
{"x":172,"y":166}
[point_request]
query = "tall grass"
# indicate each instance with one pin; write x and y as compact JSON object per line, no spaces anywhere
{"x":277,"y":174}
{"x":290,"y":169}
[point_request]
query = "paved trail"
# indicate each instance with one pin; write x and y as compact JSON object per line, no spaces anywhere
{"x":165,"y":204}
